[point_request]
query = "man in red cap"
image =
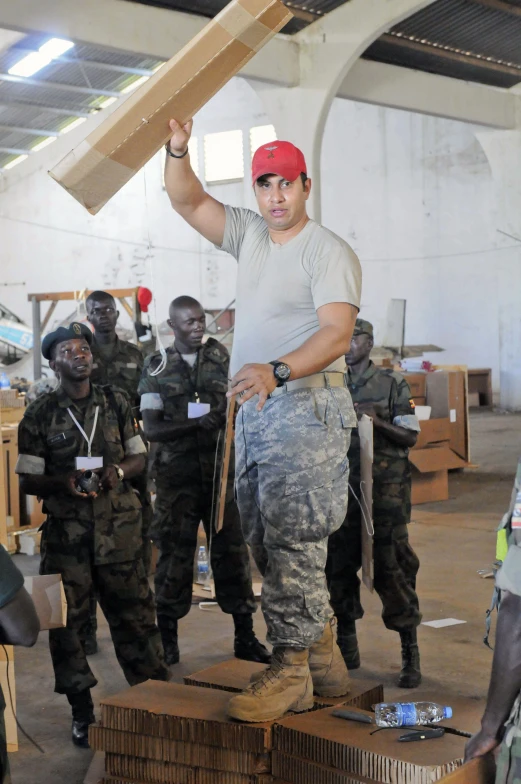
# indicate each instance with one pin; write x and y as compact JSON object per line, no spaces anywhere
{"x":298,"y":295}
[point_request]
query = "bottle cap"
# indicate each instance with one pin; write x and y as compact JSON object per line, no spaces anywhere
{"x":447,"y":713}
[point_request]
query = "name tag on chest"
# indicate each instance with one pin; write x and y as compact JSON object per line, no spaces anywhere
{"x":196,"y":410}
{"x":89,"y":463}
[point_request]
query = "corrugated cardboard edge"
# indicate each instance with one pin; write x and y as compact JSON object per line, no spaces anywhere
{"x":85,"y":160}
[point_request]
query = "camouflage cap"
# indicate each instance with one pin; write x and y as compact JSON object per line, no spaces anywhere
{"x":74,"y":331}
{"x":362,"y":326}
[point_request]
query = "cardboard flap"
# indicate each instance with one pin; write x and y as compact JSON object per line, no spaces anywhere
{"x":433,"y":431}
{"x":48,"y":595}
{"x":435,"y":458}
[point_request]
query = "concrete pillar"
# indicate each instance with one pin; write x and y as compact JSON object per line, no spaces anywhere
{"x":327,"y":50}
{"x":503,"y":150}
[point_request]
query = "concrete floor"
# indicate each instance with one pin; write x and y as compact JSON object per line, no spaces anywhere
{"x":453,"y":539}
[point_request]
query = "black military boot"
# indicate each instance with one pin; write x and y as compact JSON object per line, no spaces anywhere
{"x":168,"y":631}
{"x":246,"y":645}
{"x":82,"y":716}
{"x":348,"y":643}
{"x":410,"y":676}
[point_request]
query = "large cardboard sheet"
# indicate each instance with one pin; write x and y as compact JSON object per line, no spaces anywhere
{"x":365,"y":431}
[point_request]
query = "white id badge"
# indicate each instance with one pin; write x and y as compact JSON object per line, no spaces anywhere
{"x":89,"y":463}
{"x":196,"y":410}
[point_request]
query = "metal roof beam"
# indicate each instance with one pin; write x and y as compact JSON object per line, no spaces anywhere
{"x":71,"y":88}
{"x":132,"y":27}
{"x":401,"y":41}
{"x":430,"y":94}
{"x":28,"y":131}
{"x":15,"y":151}
{"x":44,"y":108}
{"x":500,"y":5}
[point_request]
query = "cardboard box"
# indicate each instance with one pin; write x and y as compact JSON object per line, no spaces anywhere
{"x":447,"y":396}
{"x":478,"y":771}
{"x":49,"y":599}
{"x":107,"y":159}
{"x":417,"y":383}
{"x":433,"y":431}
{"x":419,"y":401}
{"x":436,"y":457}
{"x":430,"y":487}
{"x":474,"y":400}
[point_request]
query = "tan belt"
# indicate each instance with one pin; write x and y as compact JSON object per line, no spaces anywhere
{"x":316,"y":381}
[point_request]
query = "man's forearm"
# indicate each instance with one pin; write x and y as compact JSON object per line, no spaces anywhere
{"x":40,"y":485}
{"x":398,"y":435}
{"x":318,"y":352}
{"x":182,"y":185}
{"x":505,"y":681}
{"x":133,"y":465}
{"x":169,"y":431}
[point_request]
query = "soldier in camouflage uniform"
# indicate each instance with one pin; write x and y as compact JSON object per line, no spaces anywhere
{"x":385,"y":396}
{"x":118,"y":363}
{"x":501,"y":722}
{"x":186,"y":471}
{"x":90,"y":539}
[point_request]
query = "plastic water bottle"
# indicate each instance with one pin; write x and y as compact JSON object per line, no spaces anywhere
{"x":202,"y":566}
{"x":4,"y":381}
{"x":410,"y":714}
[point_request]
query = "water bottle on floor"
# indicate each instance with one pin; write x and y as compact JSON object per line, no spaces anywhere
{"x":203,"y":572}
{"x":410,"y":714}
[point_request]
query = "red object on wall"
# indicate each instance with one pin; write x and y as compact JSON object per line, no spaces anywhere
{"x":144,"y":297}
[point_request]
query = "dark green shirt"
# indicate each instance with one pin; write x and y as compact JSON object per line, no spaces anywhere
{"x":120,"y":367}
{"x":179,"y":384}
{"x":389,"y":392}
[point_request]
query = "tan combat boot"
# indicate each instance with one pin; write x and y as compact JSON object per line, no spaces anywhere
{"x":285,"y":686}
{"x":327,"y":666}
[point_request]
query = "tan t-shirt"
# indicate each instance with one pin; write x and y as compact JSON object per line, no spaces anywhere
{"x":280,"y":287}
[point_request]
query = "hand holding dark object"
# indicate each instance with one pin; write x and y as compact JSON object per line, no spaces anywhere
{"x":366,"y":408}
{"x":109,"y":479}
{"x":88,"y":482}
{"x":479,"y":745}
{"x":214,"y":420}
{"x":70,"y":483}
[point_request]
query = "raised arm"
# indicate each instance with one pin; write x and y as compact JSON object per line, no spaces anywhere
{"x":187,"y":196}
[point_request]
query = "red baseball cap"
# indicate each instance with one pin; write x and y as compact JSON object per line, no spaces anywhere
{"x":281,"y":158}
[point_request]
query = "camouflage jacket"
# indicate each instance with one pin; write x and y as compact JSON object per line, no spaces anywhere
{"x":391,"y":396}
{"x":122,"y":370}
{"x":194,"y":454}
{"x":49,"y":442}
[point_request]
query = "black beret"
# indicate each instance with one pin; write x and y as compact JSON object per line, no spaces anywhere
{"x":73,"y":332}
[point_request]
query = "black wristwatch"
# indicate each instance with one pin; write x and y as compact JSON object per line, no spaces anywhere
{"x":281,"y":371}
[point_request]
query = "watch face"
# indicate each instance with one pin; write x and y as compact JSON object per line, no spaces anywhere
{"x":282,"y":371}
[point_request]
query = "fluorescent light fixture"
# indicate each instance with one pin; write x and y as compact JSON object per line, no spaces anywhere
{"x":35,"y":61}
{"x":74,"y":124}
{"x":107,"y":102}
{"x":15,"y":162}
{"x":133,"y":85}
{"x":44,"y":143}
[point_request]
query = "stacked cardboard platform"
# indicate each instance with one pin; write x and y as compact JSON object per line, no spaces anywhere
{"x":167,"y":732}
{"x":319,"y":748}
{"x":443,"y":443}
{"x":234,"y":676}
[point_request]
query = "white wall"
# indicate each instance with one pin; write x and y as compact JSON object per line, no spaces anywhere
{"x":412,"y":194}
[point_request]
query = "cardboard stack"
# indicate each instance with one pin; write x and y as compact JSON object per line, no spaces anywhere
{"x":319,"y":748}
{"x":167,"y":732}
{"x":234,"y":676}
{"x":443,"y":443}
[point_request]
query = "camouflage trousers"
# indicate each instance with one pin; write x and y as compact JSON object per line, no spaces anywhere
{"x":128,"y":605}
{"x":291,"y":483}
{"x":508,"y":763}
{"x":178,"y":512}
{"x":395,"y":562}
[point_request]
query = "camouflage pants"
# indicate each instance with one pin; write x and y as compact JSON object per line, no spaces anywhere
{"x":178,"y":512}
{"x":128,"y":605}
{"x":395,"y":562}
{"x":291,"y":483}
{"x":508,"y":763}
